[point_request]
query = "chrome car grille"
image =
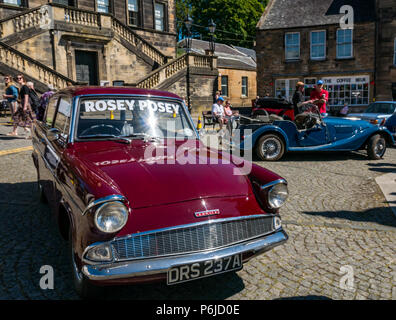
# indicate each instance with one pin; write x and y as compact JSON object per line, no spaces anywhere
{"x":192,"y":238}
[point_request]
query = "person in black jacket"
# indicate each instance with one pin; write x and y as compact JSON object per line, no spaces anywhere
{"x":298,"y":98}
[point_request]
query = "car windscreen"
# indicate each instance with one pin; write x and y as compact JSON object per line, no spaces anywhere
{"x":126,"y":116}
{"x":384,"y":108}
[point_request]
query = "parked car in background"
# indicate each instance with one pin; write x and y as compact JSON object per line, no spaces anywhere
{"x":390,"y":124}
{"x":377,"y":112}
{"x":270,"y":139}
{"x":134,"y":213}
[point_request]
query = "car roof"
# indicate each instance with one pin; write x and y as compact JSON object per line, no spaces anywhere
{"x":96,"y":90}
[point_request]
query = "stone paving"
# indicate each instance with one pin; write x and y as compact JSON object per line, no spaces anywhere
{"x":336,"y":217}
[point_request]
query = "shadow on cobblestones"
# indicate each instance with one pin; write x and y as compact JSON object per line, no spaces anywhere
{"x":381,"y":215}
{"x":382,"y":167}
{"x":324,"y":156}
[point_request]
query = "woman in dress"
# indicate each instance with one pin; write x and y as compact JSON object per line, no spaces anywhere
{"x":24,"y":116}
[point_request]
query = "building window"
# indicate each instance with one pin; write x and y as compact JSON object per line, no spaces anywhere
{"x":344,"y":43}
{"x":17,"y":3}
{"x":310,"y":84}
{"x":245,"y":86}
{"x":353,"y":91}
{"x":284,"y":88}
{"x":318,"y":45}
{"x":224,"y":86}
{"x":103,"y":6}
{"x":159,"y":17}
{"x":69,"y":3}
{"x":133,"y":12}
{"x":292,"y":46}
{"x":394,"y":54}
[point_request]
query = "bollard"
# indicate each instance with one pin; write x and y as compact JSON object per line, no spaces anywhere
{"x":199,"y":125}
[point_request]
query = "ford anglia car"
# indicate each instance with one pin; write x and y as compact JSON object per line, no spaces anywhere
{"x":112,"y":164}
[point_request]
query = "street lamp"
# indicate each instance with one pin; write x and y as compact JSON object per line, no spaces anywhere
{"x":212,"y":30}
{"x":188,"y":23}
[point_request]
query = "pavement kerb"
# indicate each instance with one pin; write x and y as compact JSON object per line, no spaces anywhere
{"x":387,"y":184}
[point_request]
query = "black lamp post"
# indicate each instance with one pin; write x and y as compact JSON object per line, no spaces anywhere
{"x":188,"y":23}
{"x":212,"y":30}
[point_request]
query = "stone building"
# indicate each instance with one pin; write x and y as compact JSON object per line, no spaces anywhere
{"x":304,"y":41}
{"x":236,"y":77}
{"x":98,"y":42}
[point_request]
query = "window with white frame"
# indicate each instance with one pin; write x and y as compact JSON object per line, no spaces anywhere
{"x":13,"y":2}
{"x":284,"y":88}
{"x":394,"y":54}
{"x":159,"y":16}
{"x":103,"y":6}
{"x":224,"y":86}
{"x":133,"y":12}
{"x":292,"y":46}
{"x":318,"y":45}
{"x":344,"y":43}
{"x":245,"y":86}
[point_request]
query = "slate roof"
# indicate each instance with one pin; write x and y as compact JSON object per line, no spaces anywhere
{"x":281,"y":14}
{"x":228,"y":56}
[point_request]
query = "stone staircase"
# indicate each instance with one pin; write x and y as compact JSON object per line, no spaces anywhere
{"x":19,"y":27}
{"x":160,"y":78}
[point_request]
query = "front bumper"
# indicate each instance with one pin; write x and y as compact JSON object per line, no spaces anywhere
{"x":151,"y":267}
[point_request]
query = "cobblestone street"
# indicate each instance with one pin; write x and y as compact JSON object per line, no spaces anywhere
{"x":336,"y":217}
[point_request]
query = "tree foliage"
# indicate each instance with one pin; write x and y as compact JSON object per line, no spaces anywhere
{"x":235,"y":20}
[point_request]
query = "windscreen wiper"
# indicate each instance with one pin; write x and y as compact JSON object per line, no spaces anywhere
{"x":111,"y":137}
{"x":144,"y":136}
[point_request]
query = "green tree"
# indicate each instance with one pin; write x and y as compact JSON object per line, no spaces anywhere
{"x":236,"y":20}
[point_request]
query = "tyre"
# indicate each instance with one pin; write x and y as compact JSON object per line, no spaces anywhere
{"x":376,"y":147}
{"x":270,"y":147}
{"x":84,"y":288}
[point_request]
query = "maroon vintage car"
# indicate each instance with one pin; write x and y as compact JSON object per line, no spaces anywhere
{"x":112,"y":164}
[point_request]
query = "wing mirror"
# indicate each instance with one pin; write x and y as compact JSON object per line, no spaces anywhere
{"x":53,"y":134}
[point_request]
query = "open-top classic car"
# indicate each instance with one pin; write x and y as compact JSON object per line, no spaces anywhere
{"x":111,"y":164}
{"x":271,"y":137}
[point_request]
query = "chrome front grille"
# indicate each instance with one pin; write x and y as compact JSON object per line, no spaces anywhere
{"x":192,"y":238}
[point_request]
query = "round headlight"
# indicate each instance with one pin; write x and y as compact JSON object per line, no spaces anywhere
{"x":111,"y":217}
{"x":277,"y":195}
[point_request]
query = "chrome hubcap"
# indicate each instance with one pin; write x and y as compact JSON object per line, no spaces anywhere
{"x":271,"y":148}
{"x":379,"y":148}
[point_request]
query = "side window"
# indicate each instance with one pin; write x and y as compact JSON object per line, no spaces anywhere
{"x":62,"y":121}
{"x":50,"y":113}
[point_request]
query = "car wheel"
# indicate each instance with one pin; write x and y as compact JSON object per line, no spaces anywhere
{"x":84,"y":288}
{"x":270,"y":147}
{"x":376,"y":147}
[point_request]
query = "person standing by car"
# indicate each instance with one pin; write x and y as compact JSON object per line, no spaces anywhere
{"x":218,"y":112}
{"x":298,"y":98}
{"x":320,"y":97}
{"x":44,"y":99}
{"x":11,"y":94}
{"x":23,"y":116}
{"x":34,"y":99}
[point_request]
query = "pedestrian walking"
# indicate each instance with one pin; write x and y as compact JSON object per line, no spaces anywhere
{"x":23,"y":117}
{"x":34,"y":99}
{"x":11,"y":94}
{"x":44,"y":99}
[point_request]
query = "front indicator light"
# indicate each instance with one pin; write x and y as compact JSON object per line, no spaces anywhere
{"x":100,"y":253}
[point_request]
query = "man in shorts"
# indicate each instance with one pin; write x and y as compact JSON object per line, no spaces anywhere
{"x":218,"y":112}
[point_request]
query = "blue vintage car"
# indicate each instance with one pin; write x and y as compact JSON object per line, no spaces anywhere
{"x":270,"y":137}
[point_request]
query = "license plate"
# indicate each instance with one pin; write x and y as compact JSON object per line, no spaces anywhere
{"x":204,"y":269}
